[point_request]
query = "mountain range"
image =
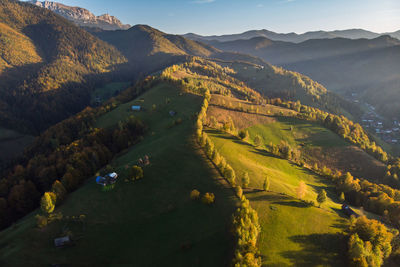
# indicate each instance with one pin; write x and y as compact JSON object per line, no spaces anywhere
{"x":292,"y":37}
{"x":82,"y":16}
{"x":366,"y":67}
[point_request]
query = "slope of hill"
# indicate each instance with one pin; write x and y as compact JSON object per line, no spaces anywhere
{"x":275,"y":82}
{"x":135,"y":218}
{"x":285,"y":53}
{"x":17,"y":49}
{"x":292,"y":37}
{"x":83,"y":17}
{"x":51,"y":64}
{"x":364,"y":67}
{"x":149,"y":50}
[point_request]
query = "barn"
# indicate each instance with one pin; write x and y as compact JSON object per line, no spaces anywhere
{"x":136,"y":108}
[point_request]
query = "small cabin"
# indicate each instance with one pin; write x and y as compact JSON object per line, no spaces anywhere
{"x":62,"y":241}
{"x":136,"y":108}
{"x":108,"y":179}
{"x":348,"y":211}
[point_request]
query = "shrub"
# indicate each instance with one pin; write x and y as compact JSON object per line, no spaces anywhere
{"x":195,"y":194}
{"x":208,"y":198}
{"x":136,"y":172}
{"x":41,"y":221}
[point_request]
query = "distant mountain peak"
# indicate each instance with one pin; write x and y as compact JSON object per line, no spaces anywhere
{"x":82,"y":16}
{"x":292,"y":37}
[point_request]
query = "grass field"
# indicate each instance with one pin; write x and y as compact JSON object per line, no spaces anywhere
{"x":292,"y":233}
{"x":109,"y":90}
{"x":316,"y":143}
{"x":151,"y":222}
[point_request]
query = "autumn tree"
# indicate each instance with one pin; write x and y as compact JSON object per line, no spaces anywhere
{"x":47,"y":203}
{"x":321,"y":197}
{"x":136,"y":172}
{"x":208,"y":198}
{"x":301,"y":190}
{"x":342,"y":197}
{"x":194,"y":194}
{"x":245,"y":180}
{"x":257,"y":140}
{"x":58,"y":189}
{"x":239,"y":191}
{"x":243,"y":134}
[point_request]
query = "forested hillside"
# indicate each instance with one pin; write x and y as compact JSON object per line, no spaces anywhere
{"x":50,"y":68}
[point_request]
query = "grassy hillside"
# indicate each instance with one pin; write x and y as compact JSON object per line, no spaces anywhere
{"x":288,"y":225}
{"x":132,"y":222}
{"x":317,"y":144}
{"x":276,"y":82}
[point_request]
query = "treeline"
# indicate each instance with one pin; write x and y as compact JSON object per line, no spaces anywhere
{"x":345,"y":128}
{"x":377,"y":198}
{"x":69,"y":151}
{"x":369,"y":242}
{"x":73,"y":163}
{"x":342,"y":126}
{"x":206,"y":75}
{"x":245,"y":226}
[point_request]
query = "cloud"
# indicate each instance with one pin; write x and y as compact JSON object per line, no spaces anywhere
{"x":260,"y":5}
{"x":287,"y":1}
{"x":203,"y":1}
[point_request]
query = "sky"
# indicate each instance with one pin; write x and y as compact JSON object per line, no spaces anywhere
{"x":209,"y":17}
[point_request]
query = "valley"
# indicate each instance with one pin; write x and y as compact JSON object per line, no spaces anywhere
{"x":128,"y":145}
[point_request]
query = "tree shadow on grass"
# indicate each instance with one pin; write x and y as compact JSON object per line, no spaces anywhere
{"x":293,"y":203}
{"x":264,"y":153}
{"x":266,"y":197}
{"x":318,"y":249}
{"x":340,"y":213}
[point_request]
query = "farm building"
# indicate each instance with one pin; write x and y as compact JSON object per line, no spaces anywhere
{"x":108,"y":179}
{"x":348,"y":211}
{"x":136,"y":108}
{"x":62,"y":241}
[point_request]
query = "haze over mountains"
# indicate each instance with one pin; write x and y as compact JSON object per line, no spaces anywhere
{"x":82,"y":16}
{"x":292,"y":37}
{"x":367,"y":67}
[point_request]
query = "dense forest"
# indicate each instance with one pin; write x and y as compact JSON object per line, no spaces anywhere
{"x":55,"y":81}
